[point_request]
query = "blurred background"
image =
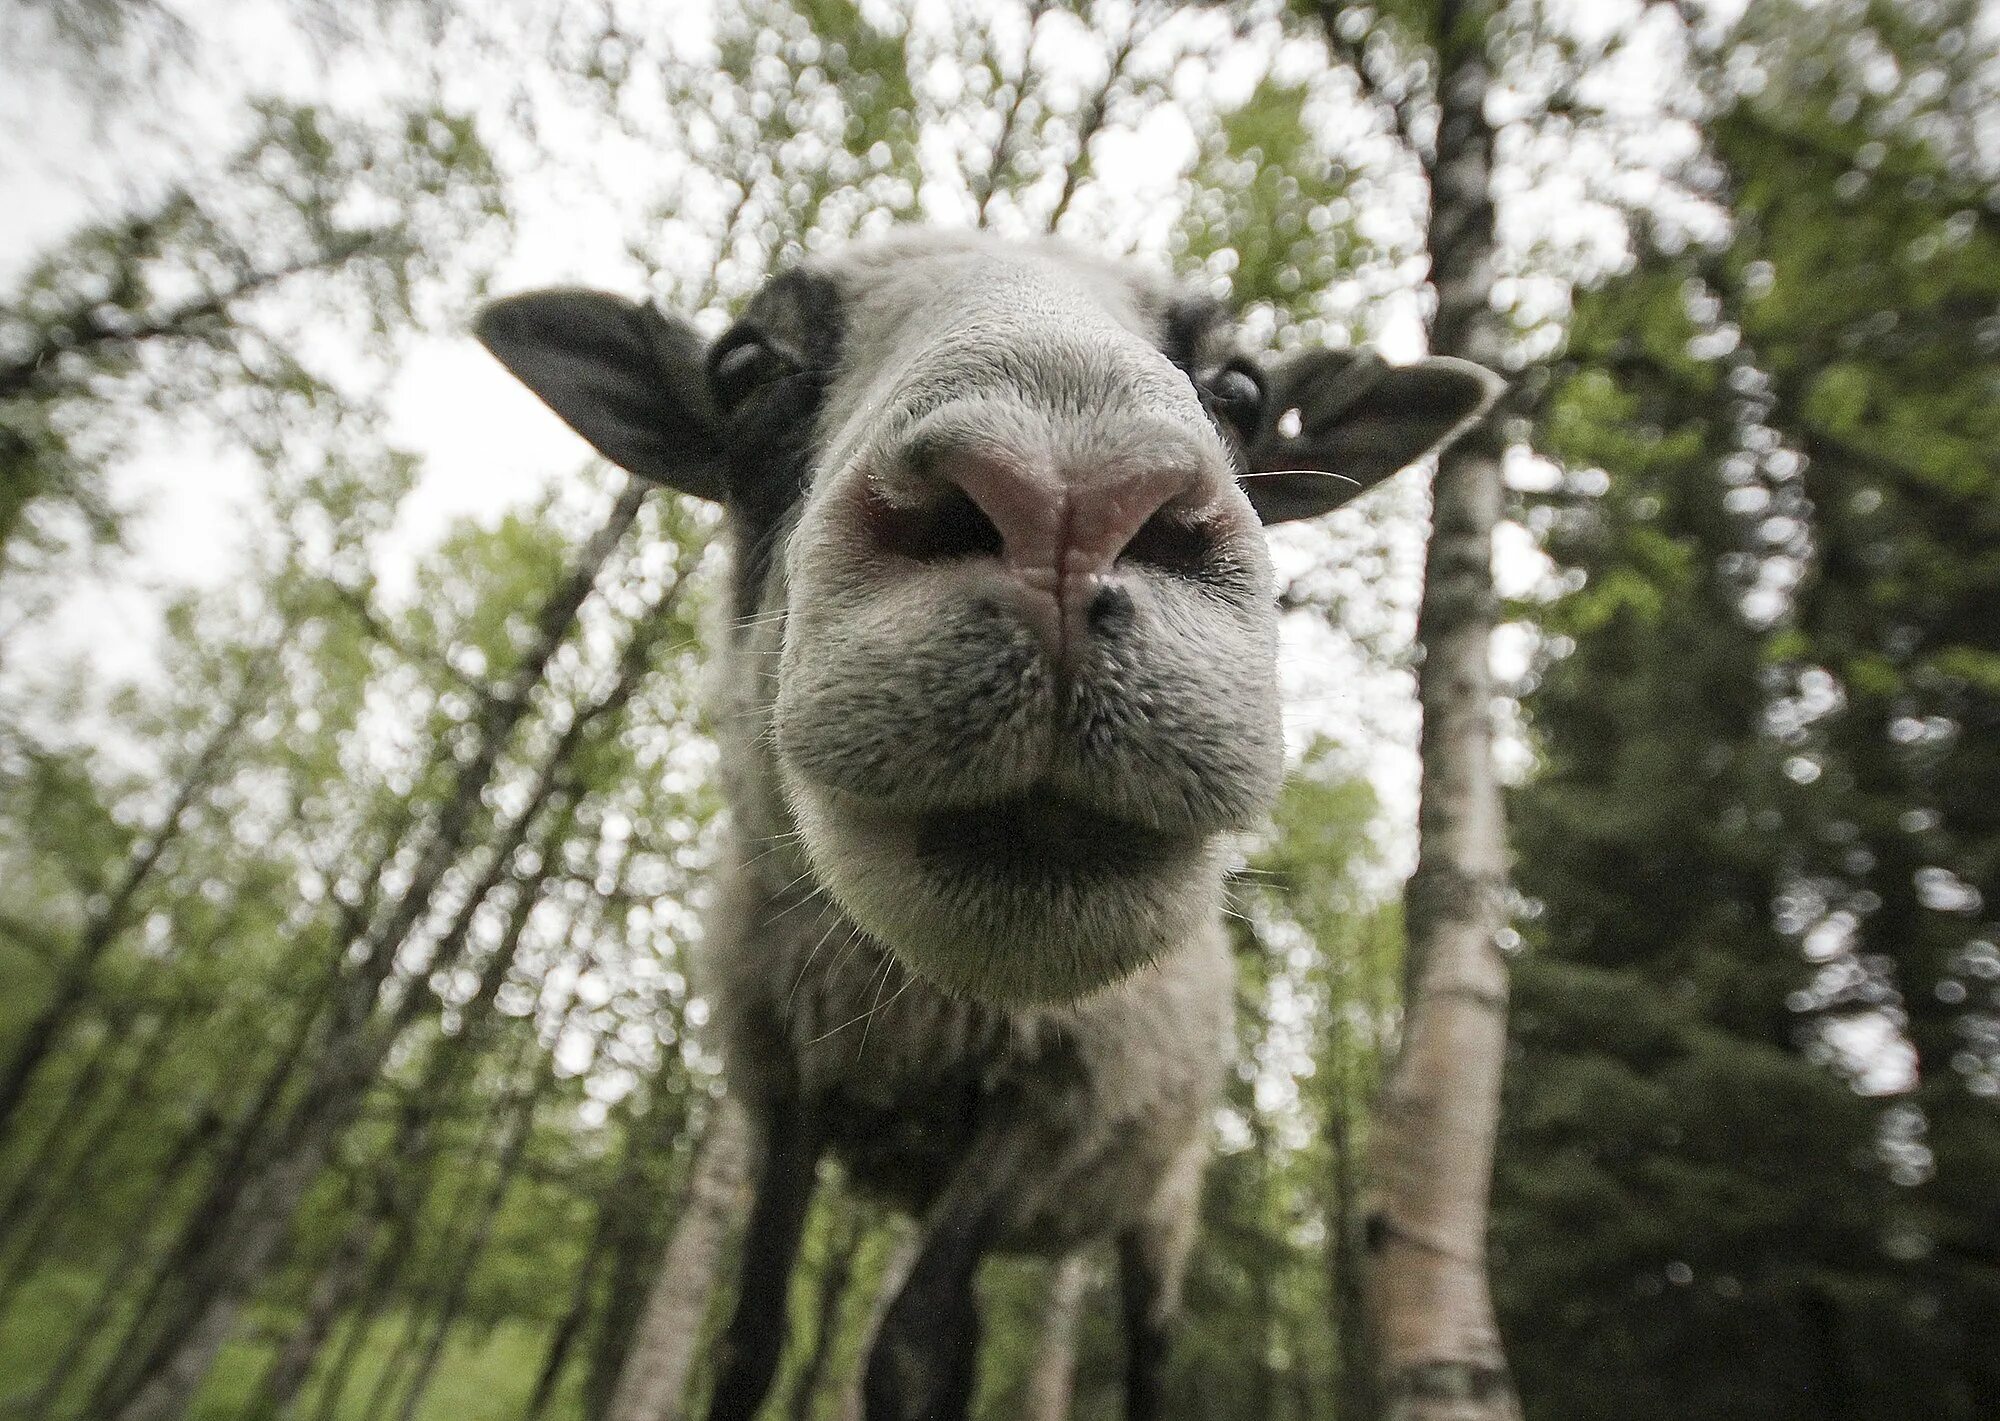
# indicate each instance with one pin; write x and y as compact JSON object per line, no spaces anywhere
{"x":356,"y":794}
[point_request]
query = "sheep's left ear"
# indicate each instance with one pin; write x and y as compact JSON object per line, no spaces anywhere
{"x":1334,"y":423}
{"x":628,"y":378}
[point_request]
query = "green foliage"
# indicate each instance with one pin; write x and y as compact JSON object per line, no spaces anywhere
{"x":1271,"y":211}
{"x":1711,"y":1199}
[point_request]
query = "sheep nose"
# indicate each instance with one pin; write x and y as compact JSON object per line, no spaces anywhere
{"x":1061,"y":541}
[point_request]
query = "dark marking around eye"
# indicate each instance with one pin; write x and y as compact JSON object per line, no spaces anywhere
{"x":744,"y":363}
{"x":1190,"y":326}
{"x":776,"y":363}
{"x":1234,"y":396}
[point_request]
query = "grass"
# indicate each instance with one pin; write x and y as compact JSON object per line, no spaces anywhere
{"x":486,"y":1373}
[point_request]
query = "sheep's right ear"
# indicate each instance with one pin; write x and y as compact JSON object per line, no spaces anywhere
{"x":1335,"y":423}
{"x":632,"y":381}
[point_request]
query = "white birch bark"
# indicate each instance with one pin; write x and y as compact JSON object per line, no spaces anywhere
{"x":652,"y":1386}
{"x":1437,"y":1345}
{"x":1052,"y":1382}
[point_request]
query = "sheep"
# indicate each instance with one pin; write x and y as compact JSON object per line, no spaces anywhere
{"x":999,"y":696}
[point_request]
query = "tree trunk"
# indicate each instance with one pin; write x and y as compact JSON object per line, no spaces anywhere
{"x":35,"y":1169}
{"x":653,"y":1381}
{"x":1437,"y":1343}
{"x":75,"y":1350}
{"x":224,"y":1182}
{"x":895,"y":1270}
{"x":466,"y":1253}
{"x":1262,"y":1267}
{"x":400,"y":1183}
{"x":248,"y":1232}
{"x":563,"y":1338}
{"x":340,"y":1371}
{"x":1052,"y":1382}
{"x":356,"y":1045}
{"x":338,"y":1283}
{"x":68,"y":1183}
{"x":835,"y":1274}
{"x":1354,"y":1380}
{"x":631,"y":1238}
{"x":411,"y":1347}
{"x":108,"y":919}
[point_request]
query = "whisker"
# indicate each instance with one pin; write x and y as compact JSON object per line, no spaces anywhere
{"x":846,"y":950}
{"x":1287,"y":473}
{"x":831,"y":928}
{"x":787,"y":912}
{"x":881,"y":1006}
{"x":888,"y":962}
{"x":759,"y":858}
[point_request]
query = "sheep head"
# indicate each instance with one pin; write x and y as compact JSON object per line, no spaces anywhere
{"x":997,"y":511}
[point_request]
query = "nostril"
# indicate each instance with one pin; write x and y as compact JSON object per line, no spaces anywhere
{"x":950,"y":526}
{"x":1173,"y":542}
{"x":1110,"y":607}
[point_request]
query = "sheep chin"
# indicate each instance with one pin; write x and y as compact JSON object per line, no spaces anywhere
{"x":1026,"y":903}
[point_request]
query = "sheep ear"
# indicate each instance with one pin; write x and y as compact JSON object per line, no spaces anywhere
{"x":1337,"y":422}
{"x":632,"y":381}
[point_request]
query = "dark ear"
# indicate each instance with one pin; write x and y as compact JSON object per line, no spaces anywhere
{"x":1335,"y":423}
{"x":627,"y":378}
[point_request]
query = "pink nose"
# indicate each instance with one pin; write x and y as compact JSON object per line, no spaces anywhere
{"x":1061,"y":540}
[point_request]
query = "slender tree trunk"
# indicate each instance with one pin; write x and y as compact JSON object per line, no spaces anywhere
{"x":30,"y":1179}
{"x":895,"y":1271}
{"x":653,"y":1381}
{"x":338,"y":1282}
{"x":75,"y":1351}
{"x":650,"y":1124}
{"x":466,"y":1252}
{"x":633,"y":1235}
{"x":65,"y":1187}
{"x":224,"y":1181}
{"x":248,"y":1232}
{"x":231,"y":1167}
{"x":563,"y":1339}
{"x":1354,"y":1378}
{"x":834,"y":1276}
{"x":107,"y":919}
{"x":1052,"y":1382}
{"x":360,"y":1322}
{"x":357,"y":1046}
{"x":460,"y":1216}
{"x":1437,"y":1343}
{"x":401,"y":1180}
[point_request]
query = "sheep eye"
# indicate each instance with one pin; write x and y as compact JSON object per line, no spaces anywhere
{"x":1234,"y":393}
{"x":743,"y":367}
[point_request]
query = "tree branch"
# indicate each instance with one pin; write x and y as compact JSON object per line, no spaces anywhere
{"x":1003,"y":146}
{"x":86,"y":328}
{"x":1094,"y":114}
{"x":1353,"y":54}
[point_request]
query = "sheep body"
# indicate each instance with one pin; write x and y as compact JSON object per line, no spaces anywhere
{"x":1120,"y":1085}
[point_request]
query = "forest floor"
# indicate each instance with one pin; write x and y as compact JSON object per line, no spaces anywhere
{"x":485,"y":1375}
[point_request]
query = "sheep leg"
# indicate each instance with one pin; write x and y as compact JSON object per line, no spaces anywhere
{"x":1149,"y":1267}
{"x":924,"y":1361}
{"x":750,"y":1347}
